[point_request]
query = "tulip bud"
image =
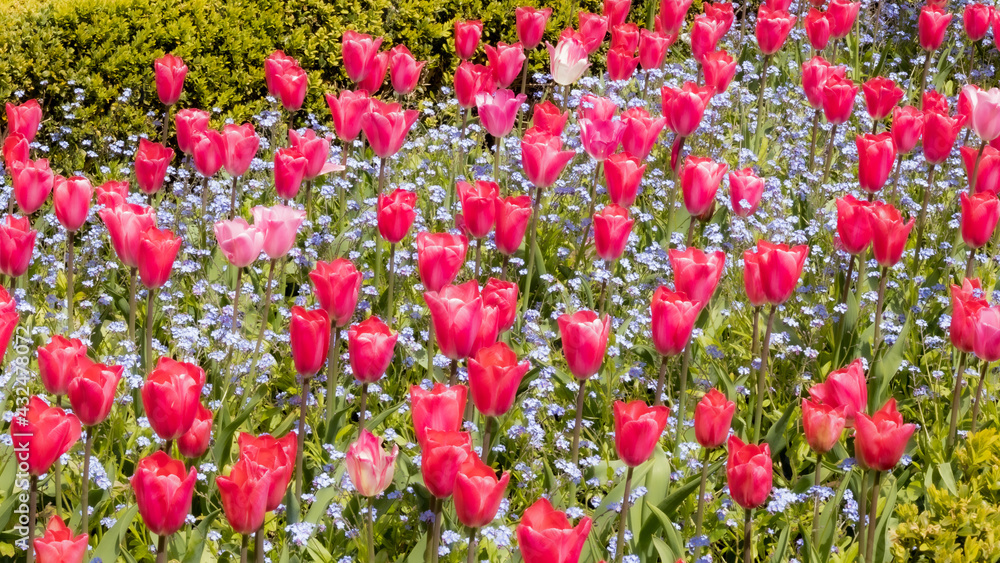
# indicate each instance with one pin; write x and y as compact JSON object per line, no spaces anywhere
{"x":673,"y":318}
{"x":822,"y":425}
{"x":697,"y":274}
{"x":612,"y":227}
{"x":92,"y":392}
{"x":880,"y":440}
{"x":748,"y":473}
{"x":24,"y":119}
{"x":163,"y":492}
{"x":584,"y":341}
{"x":170,"y":72}
{"x":478,"y":492}
{"x":370,"y":467}
{"x":194,"y":443}
{"x":371,"y":345}
{"x":385,"y":126}
{"x":337,"y":286}
{"x":545,"y":535}
{"x":239,"y":242}
{"x":156,"y":253}
{"x":244,"y":495}
{"x":713,"y":416}
{"x":494,"y":377}
{"x":59,"y":545}
{"x":309,"y":333}
{"x":844,"y":389}
{"x":440,"y":408}
{"x":638,"y":428}
{"x":530,"y":25}
{"x":41,"y":435}
{"x":171,"y":397}
{"x":358,"y":51}
{"x":467,"y":34}
{"x":889,"y":234}
{"x":440,"y":256}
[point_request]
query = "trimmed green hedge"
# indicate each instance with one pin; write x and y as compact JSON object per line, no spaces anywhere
{"x":105,"y":48}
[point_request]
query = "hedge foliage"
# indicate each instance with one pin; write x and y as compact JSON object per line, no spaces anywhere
{"x":79,"y":56}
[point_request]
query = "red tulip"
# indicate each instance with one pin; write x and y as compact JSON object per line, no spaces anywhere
{"x":170,"y":73}
{"x":337,"y":286}
{"x":442,"y":455}
{"x":9,"y":318}
{"x":934,"y":101}
{"x":92,"y":391}
{"x":188,"y":122}
{"x":612,"y":227}
{"x":125,"y":224}
{"x":239,"y":145}
{"x":889,"y":234}
{"x":371,"y":345}
{"x":616,"y":11}
{"x":838,"y":99}
{"x":705,"y":35}
{"x":494,"y":377}
{"x":773,"y":27}
{"x":347,"y":111}
{"x":457,"y":312}
{"x":673,"y":317}
{"x":112,"y":193}
{"x":58,"y":363}
{"x":815,"y":72}
{"x":976,"y":19}
{"x":24,"y":119}
{"x":17,"y":244}
{"x":881,"y":96}
{"x":621,"y":64}
{"x":71,"y":200}
{"x":713,"y":416}
{"x":653,"y":48}
{"x":672,"y":15}
{"x":853,"y":224}
{"x":700,"y":180}
{"x":567,"y":60}
{"x":752,"y":283}
{"x":543,"y":159}
{"x":370,"y":467}
{"x":697,"y":274}
{"x":33,"y":181}
{"x":638,"y":428}
{"x":844,"y":389}
{"x":505,"y":61}
{"x":966,"y":302}
{"x":478,"y":206}
{"x":641,"y":133}
{"x":478,"y":492}
{"x":289,"y":171}
{"x":209,"y":153}
{"x":41,"y":435}
{"x":745,"y":191}
{"x":291,"y":84}
{"x":748,"y":472}
{"x":822,"y":425}
{"x":545,"y":535}
{"x":309,"y":333}
{"x":719,"y":69}
{"x":547,"y":118}
{"x":512,"y":215}
{"x":440,"y":408}
{"x":240,"y":243}
{"x":986,"y":342}
{"x":171,"y":397}
{"x":601,"y":138}
{"x":498,"y":111}
{"x":979,"y":218}
{"x":358,"y":51}
{"x":842,"y":14}
{"x":593,"y":29}
{"x":244,"y":495}
{"x":194,"y":443}
{"x":315,"y":150}
{"x":372,"y":82}
{"x":988,"y":172}
{"x":722,"y":11}
{"x":876,"y":156}
{"x":622,"y":175}
{"x":440,"y":256}
{"x":163,"y":492}
{"x":584,"y":341}
{"x":817,"y":25}
{"x":157,"y":250}
{"x":940,"y":132}
{"x":471,"y":80}
{"x":931,"y":27}
{"x":530,"y":25}
{"x":487,"y":331}
{"x":385,"y":126}
{"x":625,"y":36}
{"x":780,"y":269}
{"x":280,"y":225}
{"x":16,"y":150}
{"x":907,"y":128}
{"x":275,"y":64}
{"x":151,"y":162}
{"x":404,"y":70}
{"x":395,"y":214}
{"x":277,"y":455}
{"x":467,"y":34}
{"x":59,"y":545}
{"x":685,"y":107}
{"x":880,"y":440}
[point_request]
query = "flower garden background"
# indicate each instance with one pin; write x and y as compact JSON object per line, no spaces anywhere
{"x":307,"y":281}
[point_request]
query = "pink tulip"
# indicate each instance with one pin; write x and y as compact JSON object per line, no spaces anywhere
{"x":314,"y":148}
{"x":467,"y":34}
{"x":673,"y":317}
{"x":653,"y":48}
{"x":440,"y":256}
{"x":280,"y":225}
{"x":373,"y":80}
{"x":358,"y":51}
{"x":506,"y":62}
{"x":512,"y":215}
{"x":907,"y":128}
{"x":697,"y":274}
{"x":612,"y":227}
{"x":567,"y":61}
{"x":151,"y":162}
{"x":584,"y":341}
{"x":543,"y":159}
{"x":239,"y":143}
{"x":347,"y":111}
{"x":188,"y":122}
{"x":719,"y":69}
{"x":457,"y":312}
{"x":494,"y":376}
{"x":876,"y":157}
{"x":700,"y":180}
{"x":622,"y":176}
{"x":931,"y":27}
{"x":979,"y":218}
{"x":880,"y":440}
{"x":24,"y":119}
{"x":498,"y":111}
{"x":71,"y":201}
{"x":209,"y":152}
{"x":844,"y":389}
{"x":370,"y":467}
{"x":530,"y":25}
{"x":745,"y":191}
{"x":641,"y":132}
{"x":773,"y":27}
{"x":239,"y":242}
{"x":404,"y":70}
{"x":601,"y":138}
{"x":889,"y":234}
{"x":385,"y":126}
{"x":170,"y":73}
{"x":33,"y":181}
{"x":684,"y":107}
{"x":370,"y":345}
{"x":289,"y":170}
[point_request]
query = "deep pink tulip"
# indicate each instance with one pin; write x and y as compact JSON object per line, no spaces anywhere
{"x":291,"y":84}
{"x":601,"y":138}
{"x":240,"y":243}
{"x":672,"y":15}
{"x":505,"y":61}
{"x":171,"y":396}
{"x":713,"y":416}
{"x":880,"y":440}
{"x":881,"y":97}
{"x":544,"y":534}
{"x":854,"y":227}
{"x":337,"y":286}
{"x":719,"y":69}
{"x":59,"y":545}
{"x":931,"y":27}
{"x":239,"y":143}
{"x":277,"y":455}
{"x":92,"y":392}
{"x":209,"y":152}
{"x":616,"y":11}
{"x":988,"y":171}
{"x":940,"y":132}
{"x":748,"y":472}
{"x":404,"y":70}
{"x":33,"y":182}
{"x":593,"y":29}
{"x":673,"y":317}
{"x":512,"y":216}
{"x":276,"y":63}
{"x":705,"y":35}
{"x":358,"y":51}
{"x":151,"y":162}
{"x":653,"y":48}
{"x":498,"y":111}
{"x":442,"y":455}
{"x":494,"y":377}
{"x":844,"y":389}
{"x":170,"y":73}
{"x":745,"y":191}
{"x":780,"y":269}
{"x":471,"y":80}
{"x":467,"y":35}
{"x":722,"y":11}
{"x":280,"y":225}
{"x":842,"y":14}
{"x":547,"y":118}
{"x":584,"y":341}
{"x":478,"y":206}
{"x":112,"y":193}
{"x":440,"y":256}
{"x":543,"y":159}
{"x":24,"y":118}
{"x":370,"y":345}
{"x":697,"y":274}
{"x":289,"y":171}
{"x":396,"y":214}
{"x":907,"y":128}
{"x":157,"y":252}
{"x":889,"y":234}
{"x":244,"y":495}
{"x":194,"y":443}
{"x":966,"y":302}
{"x":440,"y":408}
{"x":700,"y":180}
{"x":876,"y":157}
{"x":934,"y":101}
{"x":59,"y":362}
{"x":42,"y":434}
{"x":976,"y":20}
{"x":386,"y":126}
{"x":347,"y":110}
{"x":530,"y":25}
{"x":986,"y":342}
{"x":71,"y":201}
{"x":457,"y":312}
{"x":188,"y":122}
{"x":773,"y":27}
{"x":314,"y":148}
{"x":641,"y":132}
{"x":817,"y":26}
{"x":979,"y":218}
{"x":622,"y":175}
{"x":638,"y":428}
{"x":838,"y":99}
{"x":822,"y":425}
{"x":478,"y":492}
{"x":125,"y":224}
{"x":815,"y":72}
{"x":372,"y":82}
{"x":17,"y":244}
{"x":163,"y":492}
{"x":625,"y":36}
{"x":596,"y":108}
{"x":502,"y":296}
{"x":621,"y":64}
{"x":309,"y":333}
{"x":685,"y":107}
{"x":612,"y":226}
{"x":16,"y":150}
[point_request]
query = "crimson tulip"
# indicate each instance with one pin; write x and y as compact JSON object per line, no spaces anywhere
{"x":544,"y":534}
{"x":209,"y":153}
{"x":822,"y":425}
{"x":672,"y":15}
{"x":931,"y":27}
{"x":853,"y":224}
{"x":700,"y":180}
{"x":876,"y":156}
{"x":889,"y":234}
{"x":440,"y":408}
{"x":396,"y":214}
{"x":370,"y":345}
{"x":881,"y":96}
{"x":980,"y":213}
{"x":309,"y":333}
{"x":815,"y":72}
{"x":92,"y":392}
{"x":773,"y":27}
{"x":151,"y":162}
{"x":844,"y":389}
{"x":41,"y":434}
{"x":880,"y":440}
{"x":171,"y":397}
{"x":440,"y":256}
{"x":530,"y":25}
{"x":817,"y":26}
{"x":673,"y":317}
{"x":547,"y":117}
{"x":289,"y":171}
{"x":940,"y":132}
{"x":194,"y":443}
{"x":653,"y":48}
{"x":842,"y":14}
{"x":442,"y":455}
{"x":976,"y":19}
{"x":456,"y":312}
{"x":748,"y":472}
{"x":612,"y":227}
{"x":163,"y":492}
{"x":584,"y":341}
{"x":966,"y":302}
{"x":713,"y":416}
{"x":512,"y":215}
{"x":622,"y":175}
{"x":502,"y":296}
{"x":641,"y":133}
{"x":697,"y":274}
{"x":638,"y":428}
{"x":244,"y":495}
{"x":494,"y":377}
{"x":337,"y":286}
{"x":157,"y":250}
{"x":170,"y":72}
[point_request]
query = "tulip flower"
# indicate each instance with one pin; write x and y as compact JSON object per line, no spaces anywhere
{"x":157,"y":250}
{"x":289,"y":171}
{"x":980,"y":213}
{"x":45,"y":433}
{"x":209,"y":156}
{"x":373,"y":80}
{"x":881,"y":97}
{"x":494,"y":377}
{"x":853,"y":224}
{"x":290,"y":86}
{"x":752,"y":284}
{"x":544,"y":534}
{"x":404,"y":70}
{"x":371,"y":468}
{"x":547,"y":118}
{"x":9,"y":318}
{"x":189,"y":122}
{"x":596,"y":108}
{"x":33,"y":181}
{"x":815,"y":72}
{"x":567,"y":60}
{"x":275,"y":64}
{"x":478,"y":207}
{"x":931,"y":27}
{"x":612,"y":227}
{"x":705,"y":35}
{"x":584,"y":341}
{"x":396,"y":214}
{"x":194,"y":443}
{"x":442,"y":454}
{"x":838,"y":99}
{"x":817,"y":25}
{"x":470,"y":81}
{"x":881,"y":439}
{"x":842,"y":14}
{"x":976,"y":19}
{"x":685,"y":107}
{"x":59,"y":545}
{"x":625,"y":36}
{"x":621,"y":64}
{"x":673,"y":318}
{"x":385,"y":126}
{"x":822,"y":425}
{"x":780,"y":269}
{"x":745,"y":191}
{"x":889,"y":234}
{"x":91,"y":391}
{"x":592,"y":30}
{"x":700,"y":180}
{"x":440,"y":408}
{"x":502,"y":296}
{"x":986,"y":343}
{"x":112,"y":193}
{"x":601,"y":138}
{"x":467,"y":34}
{"x":171,"y":397}
{"x":440,"y":256}
{"x":337,"y":286}
{"x":934,"y":101}
{"x":748,"y":472}
{"x":24,"y":119}
{"x":244,"y":497}
{"x":456,"y":313}
{"x":986,"y":174}
{"x":240,"y":143}
{"x":672,"y":15}
{"x":240,"y":243}
{"x":170,"y":72}
{"x":478,"y":493}
{"x":844,"y":389}
{"x":15,"y":150}
{"x":876,"y":155}
{"x":719,"y":69}
{"x":58,"y":363}
{"x":641,"y":133}
{"x":543,"y":159}
{"x":940,"y":132}
{"x":966,"y":302}
{"x":314,"y":149}
{"x":713,"y":416}
{"x":371,"y":345}
{"x":638,"y":428}
{"x":163,"y":492}
{"x":530,"y":25}
{"x":984,"y":114}
{"x":512,"y":215}
{"x":907,"y":128}
{"x":280,"y":225}
{"x":151,"y":162}
{"x":71,"y":200}
{"x":773,"y":27}
{"x":347,"y":110}
{"x":505,"y":62}
{"x":358,"y":51}
{"x":653,"y":48}
{"x":622,"y":175}
{"x":697,"y":274}
{"x":17,"y":244}
{"x":277,"y":455}
{"x":309,"y":333}
{"x":498,"y":112}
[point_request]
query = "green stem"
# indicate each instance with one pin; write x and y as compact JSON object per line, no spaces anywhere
{"x":956,"y":401}
{"x":699,"y":518}
{"x":580,"y":396}
{"x":299,"y":458}
{"x":392,"y":281}
{"x":748,"y":536}
{"x":88,"y":447}
{"x":817,"y":484}
{"x":979,"y":395}
{"x":332,"y":374}
{"x":70,"y":286}
{"x":872,"y":524}
{"x":682,"y":397}
{"x":762,"y":375}
{"x":150,"y":311}
{"x":623,"y":518}
{"x":370,"y":525}
{"x":232,"y":197}
{"x":362,"y":407}
{"x":659,"y":381}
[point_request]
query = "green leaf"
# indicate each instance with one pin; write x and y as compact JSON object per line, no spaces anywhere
{"x":108,"y":549}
